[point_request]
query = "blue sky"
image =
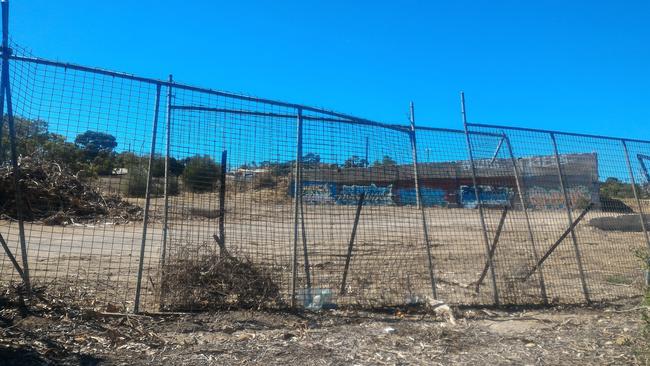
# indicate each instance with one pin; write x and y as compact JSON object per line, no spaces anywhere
{"x":578,"y":66}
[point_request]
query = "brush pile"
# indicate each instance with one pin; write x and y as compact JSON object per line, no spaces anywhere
{"x":54,"y":196}
{"x":217,"y":281}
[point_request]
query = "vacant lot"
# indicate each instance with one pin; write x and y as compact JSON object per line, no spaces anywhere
{"x":389,"y":263}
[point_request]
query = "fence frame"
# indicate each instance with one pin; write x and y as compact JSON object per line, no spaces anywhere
{"x":298,"y":214}
{"x":622,"y":140}
{"x":6,"y":96}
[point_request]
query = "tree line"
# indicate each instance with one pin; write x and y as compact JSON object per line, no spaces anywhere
{"x":93,"y":154}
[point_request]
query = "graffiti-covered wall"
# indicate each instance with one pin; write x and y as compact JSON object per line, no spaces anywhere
{"x":449,"y":184}
{"x":553,"y":198}
{"x":498,"y":196}
{"x":430,"y":196}
{"x":333,"y":193}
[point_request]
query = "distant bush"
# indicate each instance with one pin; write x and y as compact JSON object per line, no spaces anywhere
{"x":130,"y":161}
{"x":136,"y":185}
{"x":615,"y":188}
{"x":262,"y":181}
{"x":582,"y":203}
{"x":201,"y":174}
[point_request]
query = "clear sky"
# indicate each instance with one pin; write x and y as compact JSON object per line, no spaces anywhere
{"x":570,"y":65}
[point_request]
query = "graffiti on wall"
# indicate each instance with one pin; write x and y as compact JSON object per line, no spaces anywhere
{"x":552,"y":198}
{"x":315,"y":193}
{"x":489,"y":195}
{"x":430,"y":197}
{"x":349,"y":195}
{"x":320,"y":193}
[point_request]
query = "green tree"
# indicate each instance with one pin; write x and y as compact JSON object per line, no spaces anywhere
{"x":355,"y":162}
{"x":98,"y":149}
{"x":201,"y":174}
{"x":311,"y":161}
{"x":132,"y":161}
{"x":33,"y":139}
{"x":31,"y":136}
{"x":127,"y":159}
{"x":613,"y":188}
{"x":94,"y":142}
{"x":278,"y":169}
{"x":384,"y":162}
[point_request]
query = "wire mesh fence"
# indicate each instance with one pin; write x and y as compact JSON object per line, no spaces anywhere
{"x":582,"y":190}
{"x":141,"y":194}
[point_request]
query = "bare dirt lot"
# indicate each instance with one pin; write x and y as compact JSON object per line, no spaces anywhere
{"x":94,"y":266}
{"x":389,"y":264}
{"x":48,"y":331}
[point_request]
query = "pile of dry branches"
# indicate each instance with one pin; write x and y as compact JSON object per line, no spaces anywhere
{"x":53,"y":195}
{"x":217,"y":281}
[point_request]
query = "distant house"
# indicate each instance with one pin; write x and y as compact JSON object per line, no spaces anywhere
{"x":247,"y":175}
{"x":120,"y":171}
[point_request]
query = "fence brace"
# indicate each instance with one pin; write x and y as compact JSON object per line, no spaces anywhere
{"x":486,"y":240}
{"x":567,"y":204}
{"x":348,"y":257}
{"x":521,"y":189}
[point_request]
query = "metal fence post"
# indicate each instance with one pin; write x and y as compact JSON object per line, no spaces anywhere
{"x":478,"y":200}
{"x":305,"y":249}
{"x":521,"y":191}
{"x":420,"y":206}
{"x":6,"y":52}
{"x":636,"y":194}
{"x":297,"y":192}
{"x":2,"y":113}
{"x":567,"y":203}
{"x":5,"y":58}
{"x":147,"y":201}
{"x":168,"y":123}
{"x":413,"y":148}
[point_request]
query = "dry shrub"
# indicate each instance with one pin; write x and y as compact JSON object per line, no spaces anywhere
{"x":264,"y":181}
{"x":211,"y":281}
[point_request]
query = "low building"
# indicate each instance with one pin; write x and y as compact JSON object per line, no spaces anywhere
{"x":450,"y":184}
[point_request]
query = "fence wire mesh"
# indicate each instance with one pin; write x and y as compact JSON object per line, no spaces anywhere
{"x":583,"y":180}
{"x":152,"y":195}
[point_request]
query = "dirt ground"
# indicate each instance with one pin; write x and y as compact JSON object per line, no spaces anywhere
{"x":389,"y":265}
{"x":47,"y":331}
